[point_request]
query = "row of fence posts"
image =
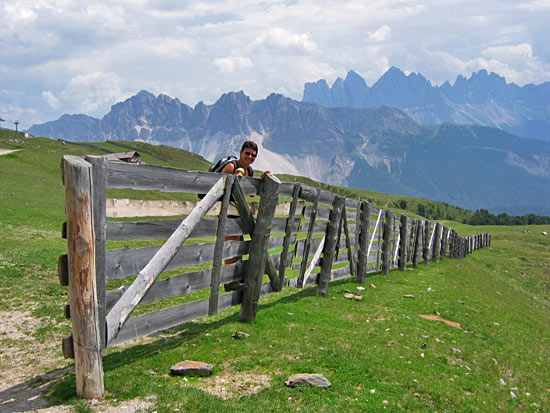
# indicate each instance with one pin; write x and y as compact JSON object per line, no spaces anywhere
{"x":433,"y":243}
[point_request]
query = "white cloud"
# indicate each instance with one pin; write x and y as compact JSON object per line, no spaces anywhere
{"x":231,"y":63}
{"x":522,"y":51}
{"x":382,"y":34}
{"x":279,"y":38}
{"x":537,"y":5}
{"x":50,"y":99}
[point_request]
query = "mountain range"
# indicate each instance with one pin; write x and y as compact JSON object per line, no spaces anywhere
{"x":381,"y":148}
{"x":484,"y":99}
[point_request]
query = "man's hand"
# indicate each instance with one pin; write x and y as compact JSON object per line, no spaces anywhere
{"x":262,"y":176}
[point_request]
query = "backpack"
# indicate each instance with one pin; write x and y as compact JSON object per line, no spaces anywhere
{"x":218,"y":166}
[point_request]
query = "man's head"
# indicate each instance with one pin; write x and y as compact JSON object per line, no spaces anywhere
{"x":249,"y":150}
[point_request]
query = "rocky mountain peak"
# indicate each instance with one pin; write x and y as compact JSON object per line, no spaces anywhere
{"x":482,"y":99}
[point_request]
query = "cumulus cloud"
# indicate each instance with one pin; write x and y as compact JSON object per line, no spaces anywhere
{"x":382,"y":34}
{"x":50,"y":99}
{"x":521,"y":52}
{"x":231,"y":63}
{"x":282,"y":39}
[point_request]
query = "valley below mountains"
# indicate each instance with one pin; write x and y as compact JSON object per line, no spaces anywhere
{"x":380,"y":148}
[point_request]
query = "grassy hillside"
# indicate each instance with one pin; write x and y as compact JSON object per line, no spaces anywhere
{"x":377,"y":353}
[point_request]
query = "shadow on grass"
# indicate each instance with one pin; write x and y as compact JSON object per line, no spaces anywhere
{"x":64,"y":389}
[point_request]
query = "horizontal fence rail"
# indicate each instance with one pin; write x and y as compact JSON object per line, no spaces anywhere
{"x":174,"y":260}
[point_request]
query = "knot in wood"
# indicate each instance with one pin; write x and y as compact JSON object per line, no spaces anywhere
{"x":81,"y":246}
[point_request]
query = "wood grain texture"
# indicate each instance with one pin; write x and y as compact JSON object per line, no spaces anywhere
{"x":77,"y":176}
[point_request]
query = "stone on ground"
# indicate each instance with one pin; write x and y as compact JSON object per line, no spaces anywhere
{"x":191,"y":368}
{"x":316,"y":380}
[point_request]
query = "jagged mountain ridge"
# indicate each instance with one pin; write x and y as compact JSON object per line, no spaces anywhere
{"x":376,"y":148}
{"x":483,"y":99}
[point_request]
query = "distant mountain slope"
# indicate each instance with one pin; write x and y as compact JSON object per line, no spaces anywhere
{"x":483,"y":99}
{"x":377,"y":148}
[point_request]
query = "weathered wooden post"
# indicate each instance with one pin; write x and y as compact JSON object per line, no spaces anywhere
{"x":215,"y":274}
{"x":288,"y":235}
{"x":258,"y":248}
{"x":307,"y":243}
{"x":77,"y":176}
{"x":329,"y":248}
{"x":444,"y":236}
{"x":357,"y":236}
{"x":417,"y":243}
{"x":412,"y":240}
{"x":99,"y":210}
{"x":437,"y":242}
{"x":426,"y":239}
{"x":488,"y":240}
{"x":364,"y":225}
{"x":403,"y":243}
{"x":351,"y":258}
{"x":450,"y":243}
{"x":386,"y":246}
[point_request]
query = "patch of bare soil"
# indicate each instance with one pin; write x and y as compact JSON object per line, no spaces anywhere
{"x":23,"y":361}
{"x":231,"y":384}
{"x":28,"y":369}
{"x":438,"y":318}
{"x":6,"y":151}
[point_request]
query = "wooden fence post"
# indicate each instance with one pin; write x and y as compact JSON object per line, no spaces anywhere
{"x":352,"y":266}
{"x":215,"y":274}
{"x":386,"y":246}
{"x":82,"y":280}
{"x":258,"y":248}
{"x":444,"y":236}
{"x":357,"y":237}
{"x":437,"y":242}
{"x":417,"y":243}
{"x":426,"y":245}
{"x":412,"y":238}
{"x":99,"y":208}
{"x":330,"y":244}
{"x":364,"y":232}
{"x":307,"y":243}
{"x":288,"y":235}
{"x":403,"y":245}
{"x":248,"y":223}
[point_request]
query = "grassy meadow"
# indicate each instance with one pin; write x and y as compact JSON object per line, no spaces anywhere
{"x":492,"y":354}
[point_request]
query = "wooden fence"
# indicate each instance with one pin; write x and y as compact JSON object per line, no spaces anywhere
{"x":324,"y":237}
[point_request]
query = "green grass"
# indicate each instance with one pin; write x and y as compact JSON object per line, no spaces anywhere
{"x":501,"y":301}
{"x":371,"y":350}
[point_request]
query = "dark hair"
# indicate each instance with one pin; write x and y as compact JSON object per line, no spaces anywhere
{"x":250,"y":145}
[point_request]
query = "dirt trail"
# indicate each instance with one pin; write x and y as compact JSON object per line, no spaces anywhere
{"x":6,"y":151}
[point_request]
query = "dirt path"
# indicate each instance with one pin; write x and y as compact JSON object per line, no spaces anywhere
{"x":28,"y":369}
{"x":6,"y":151}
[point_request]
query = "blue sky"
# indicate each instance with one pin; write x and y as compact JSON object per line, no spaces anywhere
{"x":70,"y":56}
